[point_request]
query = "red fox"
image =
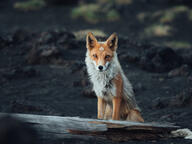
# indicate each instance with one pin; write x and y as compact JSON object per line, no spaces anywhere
{"x":114,"y":92}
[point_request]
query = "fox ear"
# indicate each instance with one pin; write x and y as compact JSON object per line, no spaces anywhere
{"x":112,"y":42}
{"x":91,"y":41}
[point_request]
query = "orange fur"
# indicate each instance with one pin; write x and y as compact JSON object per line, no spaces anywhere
{"x":117,"y":100}
{"x":94,"y":48}
{"x":134,"y":115}
{"x":108,"y":112}
{"x":119,"y":109}
{"x":101,"y":106}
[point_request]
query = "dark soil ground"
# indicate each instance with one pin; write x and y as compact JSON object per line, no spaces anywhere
{"x":42,"y":68}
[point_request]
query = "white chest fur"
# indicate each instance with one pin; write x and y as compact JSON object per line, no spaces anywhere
{"x":103,"y":81}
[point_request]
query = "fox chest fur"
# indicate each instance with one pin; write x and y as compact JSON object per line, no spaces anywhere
{"x":103,"y":82}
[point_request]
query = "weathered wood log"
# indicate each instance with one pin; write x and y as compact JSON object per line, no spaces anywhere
{"x":75,"y":127}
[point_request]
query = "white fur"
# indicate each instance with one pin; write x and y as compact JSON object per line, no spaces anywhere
{"x":101,"y":49}
{"x":102,"y":79}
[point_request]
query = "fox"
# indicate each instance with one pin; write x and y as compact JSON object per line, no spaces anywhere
{"x":115,"y":96}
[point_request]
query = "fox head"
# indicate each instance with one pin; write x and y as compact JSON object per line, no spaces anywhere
{"x":101,"y":53}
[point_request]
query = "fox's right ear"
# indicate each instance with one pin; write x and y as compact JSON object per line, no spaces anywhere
{"x":91,"y":41}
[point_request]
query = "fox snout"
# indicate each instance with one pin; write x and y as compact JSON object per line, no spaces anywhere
{"x":102,"y":68}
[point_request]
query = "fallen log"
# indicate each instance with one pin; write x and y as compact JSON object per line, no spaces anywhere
{"x":75,"y":127}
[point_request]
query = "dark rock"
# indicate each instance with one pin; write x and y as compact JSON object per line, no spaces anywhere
{"x":47,"y":51}
{"x":20,"y":36}
{"x":65,"y":36}
{"x":160,"y":60}
{"x":45,"y":54}
{"x":57,"y":37}
{"x":184,"y":70}
{"x":158,"y":103}
{"x":67,"y":41}
{"x":77,"y":66}
{"x":4,"y":41}
{"x":129,"y":57}
{"x":187,"y":56}
{"x":52,"y":47}
{"x":46,"y":37}
{"x":183,"y":99}
{"x":17,"y":73}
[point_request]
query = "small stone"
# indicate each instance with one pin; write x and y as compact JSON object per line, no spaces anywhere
{"x":160,"y":59}
{"x":43,"y":54}
{"x":20,"y":36}
{"x":183,"y":99}
{"x":4,"y":41}
{"x":158,"y":103}
{"x":166,"y":117}
{"x":184,"y":70}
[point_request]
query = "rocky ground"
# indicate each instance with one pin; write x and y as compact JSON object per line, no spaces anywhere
{"x":42,"y":71}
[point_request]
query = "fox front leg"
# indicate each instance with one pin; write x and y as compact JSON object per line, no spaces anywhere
{"x":116,"y":108}
{"x":101,"y":106}
{"x":118,"y":98}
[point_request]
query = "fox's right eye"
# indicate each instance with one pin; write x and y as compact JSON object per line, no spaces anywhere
{"x":94,"y":55}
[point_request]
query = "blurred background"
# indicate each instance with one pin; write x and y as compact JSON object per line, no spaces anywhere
{"x":166,"y":22}
{"x":42,"y":52}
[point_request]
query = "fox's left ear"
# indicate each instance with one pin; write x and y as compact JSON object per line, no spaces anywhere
{"x":91,"y":41}
{"x":112,"y":42}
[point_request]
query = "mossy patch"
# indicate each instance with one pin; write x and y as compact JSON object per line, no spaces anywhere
{"x":190,"y":15}
{"x":81,"y":35}
{"x":158,"y":30}
{"x":142,"y":16}
{"x":30,"y":5}
{"x":117,"y":2}
{"x":165,"y":16}
{"x":170,"y":14}
{"x":161,"y":21}
{"x":112,"y":15}
{"x":94,"y":13}
{"x":178,"y":44}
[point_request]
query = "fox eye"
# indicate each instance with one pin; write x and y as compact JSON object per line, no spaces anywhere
{"x":94,"y":55}
{"x":107,"y":56}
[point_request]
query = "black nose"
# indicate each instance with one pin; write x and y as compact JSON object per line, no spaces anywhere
{"x":100,"y":67}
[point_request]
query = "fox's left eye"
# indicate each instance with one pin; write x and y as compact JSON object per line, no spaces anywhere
{"x":94,"y":55}
{"x":107,"y":56}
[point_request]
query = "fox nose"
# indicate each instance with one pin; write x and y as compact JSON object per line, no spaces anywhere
{"x":100,"y":67}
